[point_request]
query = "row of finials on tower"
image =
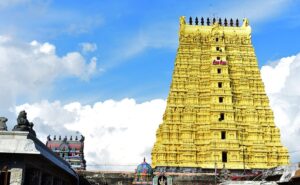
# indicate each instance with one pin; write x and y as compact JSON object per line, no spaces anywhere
{"x":71,"y":138}
{"x":213,"y":21}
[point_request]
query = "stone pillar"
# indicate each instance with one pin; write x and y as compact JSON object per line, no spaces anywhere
{"x":16,"y":176}
{"x":169,"y":180}
{"x":40,"y":177}
{"x":155,"y":180}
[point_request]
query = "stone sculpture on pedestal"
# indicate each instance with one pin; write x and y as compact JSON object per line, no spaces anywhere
{"x":23,"y":124}
{"x":3,"y":126}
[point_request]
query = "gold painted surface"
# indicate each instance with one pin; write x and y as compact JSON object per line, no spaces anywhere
{"x":191,"y":132}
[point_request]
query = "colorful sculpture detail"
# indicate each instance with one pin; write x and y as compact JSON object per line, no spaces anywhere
{"x":143,"y":174}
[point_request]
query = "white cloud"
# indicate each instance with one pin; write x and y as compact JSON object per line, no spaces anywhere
{"x":117,"y":132}
{"x":276,"y":72}
{"x":26,"y":69}
{"x":281,"y":80}
{"x":88,"y":47}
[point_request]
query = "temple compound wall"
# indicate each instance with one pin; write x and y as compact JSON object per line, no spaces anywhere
{"x":217,"y":114}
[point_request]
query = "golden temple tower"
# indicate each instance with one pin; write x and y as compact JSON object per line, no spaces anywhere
{"x":217,"y":110}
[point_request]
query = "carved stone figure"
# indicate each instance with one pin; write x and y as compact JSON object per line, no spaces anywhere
{"x":82,"y":138}
{"x":182,"y":20}
{"x":23,"y":124}
{"x":245,"y":22}
{"x":182,"y":24}
{"x":65,"y":139}
{"x":162,"y":180}
{"x":48,"y":138}
{"x":3,"y":121}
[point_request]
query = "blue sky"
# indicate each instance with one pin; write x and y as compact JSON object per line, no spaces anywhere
{"x":137,"y":40}
{"x":103,"y":68}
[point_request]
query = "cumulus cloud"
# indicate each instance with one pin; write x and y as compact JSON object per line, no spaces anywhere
{"x":276,"y":72}
{"x":88,"y":47}
{"x":28,"y":68}
{"x":281,"y":80}
{"x":116,"y":132}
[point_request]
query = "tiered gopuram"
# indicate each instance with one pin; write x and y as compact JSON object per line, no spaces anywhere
{"x":217,"y":110}
{"x":68,"y":149}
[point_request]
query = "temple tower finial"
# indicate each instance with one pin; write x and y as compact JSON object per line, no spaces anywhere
{"x":225,"y":22}
{"x":237,"y":23}
{"x":202,"y":21}
{"x":207,"y":22}
{"x":191,"y":21}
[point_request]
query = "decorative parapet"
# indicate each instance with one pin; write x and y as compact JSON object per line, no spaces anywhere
{"x":209,"y":26}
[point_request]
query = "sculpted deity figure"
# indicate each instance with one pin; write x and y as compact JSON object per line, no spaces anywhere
{"x":82,"y":138}
{"x":182,"y":20}
{"x":245,"y":22}
{"x":182,"y":24}
{"x":3,"y":126}
{"x":162,"y":180}
{"x":23,"y":124}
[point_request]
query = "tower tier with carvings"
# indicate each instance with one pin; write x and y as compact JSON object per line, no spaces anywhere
{"x":70,"y":150}
{"x":217,"y":110}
